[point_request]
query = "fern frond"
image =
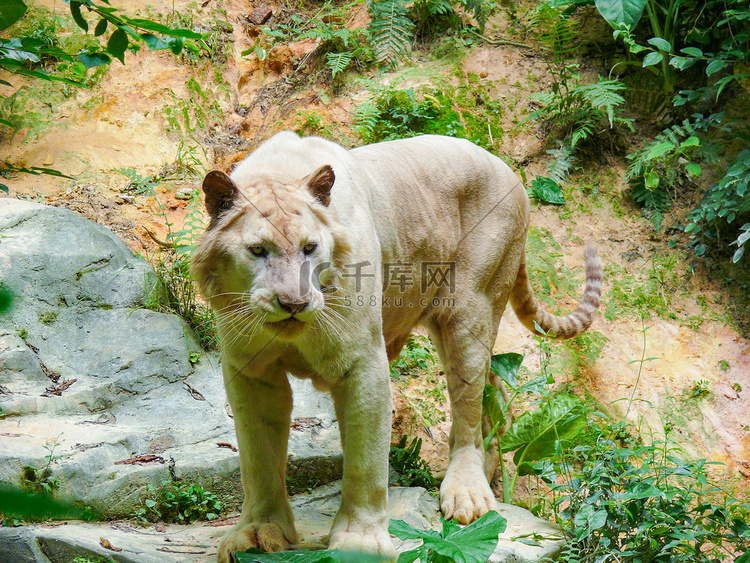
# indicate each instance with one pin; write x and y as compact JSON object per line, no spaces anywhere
{"x":366,"y":117}
{"x":582,"y":132}
{"x":391,"y":31}
{"x":481,"y":10}
{"x":562,"y":164}
{"x":338,"y":62}
{"x":603,"y":95}
{"x":557,"y":34}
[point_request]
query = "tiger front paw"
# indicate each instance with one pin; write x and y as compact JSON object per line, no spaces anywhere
{"x":265,"y":536}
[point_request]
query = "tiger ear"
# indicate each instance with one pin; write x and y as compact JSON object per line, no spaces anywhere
{"x":320,"y":183}
{"x":220,"y":192}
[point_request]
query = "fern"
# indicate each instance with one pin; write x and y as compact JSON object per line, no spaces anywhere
{"x":603,"y":95}
{"x":338,"y":62}
{"x":366,"y":117}
{"x":561,"y":164}
{"x":480,"y":8}
{"x":557,"y":34}
{"x":579,"y":112}
{"x":391,"y":31}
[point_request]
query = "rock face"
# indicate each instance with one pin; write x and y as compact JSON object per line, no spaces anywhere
{"x":92,"y":378}
{"x":198,"y":543}
{"x":110,"y":397}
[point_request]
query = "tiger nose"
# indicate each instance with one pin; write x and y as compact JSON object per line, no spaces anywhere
{"x":292,"y":307}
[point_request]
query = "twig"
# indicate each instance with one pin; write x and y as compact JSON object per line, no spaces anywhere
{"x":161,"y":243}
{"x":500,"y":41}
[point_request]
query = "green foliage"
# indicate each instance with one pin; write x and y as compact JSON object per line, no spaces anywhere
{"x":467,"y":111}
{"x":412,"y":470}
{"x":6,"y":299}
{"x":416,"y":355}
{"x":42,"y":479}
{"x":18,"y":505}
{"x":667,"y":163}
{"x":395,"y":24}
{"x":647,"y":294}
{"x":173,"y":290}
{"x":121,"y":31}
{"x":563,"y":160}
{"x":469,"y":544}
{"x":721,"y":205}
{"x":644,"y":503}
{"x":338,"y":45}
{"x":699,"y":390}
{"x":181,"y":503}
{"x":580,"y":112}
{"x":391,"y":31}
{"x":195,"y":114}
{"x":394,"y":114}
{"x":536,"y":435}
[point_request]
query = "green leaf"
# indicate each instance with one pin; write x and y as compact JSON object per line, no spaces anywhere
{"x":547,"y":190}
{"x":338,"y":62}
{"x":101,"y":27}
{"x":617,"y":12}
{"x":638,"y":492}
{"x":682,"y":63}
{"x":692,"y":51}
{"x":92,"y":60}
{"x":660,"y":149}
{"x":472,"y":543}
{"x":653,"y":58}
{"x":715,"y":66}
{"x":661,"y":44}
{"x":506,"y":367}
{"x":691,"y":141}
{"x":589,"y":519}
{"x":534,"y":434}
{"x":652,"y":180}
{"x":153,"y":42}
{"x":404,"y":531}
{"x":75,"y":11}
{"x":411,"y":555}
{"x":117,"y":44}
{"x":494,"y":407}
{"x":6,"y":295}
{"x":10,"y":12}
{"x":155,"y":27}
{"x":693,"y":169}
{"x":744,"y":558}
{"x":176,"y":44}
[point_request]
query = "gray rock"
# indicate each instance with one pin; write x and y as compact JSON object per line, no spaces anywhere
{"x":198,"y":543}
{"x":125,"y":384}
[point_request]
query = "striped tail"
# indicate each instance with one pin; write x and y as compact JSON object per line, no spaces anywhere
{"x":530,"y":313}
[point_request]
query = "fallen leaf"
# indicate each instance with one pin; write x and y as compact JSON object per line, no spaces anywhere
{"x":141,"y":460}
{"x":107,"y":545}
